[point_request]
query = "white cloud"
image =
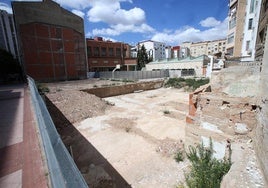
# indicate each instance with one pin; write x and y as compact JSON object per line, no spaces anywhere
{"x":111,"y":13}
{"x":6,"y":7}
{"x":210,"y":22}
{"x":75,"y":4}
{"x":119,"y":20}
{"x":118,"y":29}
{"x":78,"y":13}
{"x":192,"y":34}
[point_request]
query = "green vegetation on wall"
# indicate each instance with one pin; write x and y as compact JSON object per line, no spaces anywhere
{"x":191,"y":83}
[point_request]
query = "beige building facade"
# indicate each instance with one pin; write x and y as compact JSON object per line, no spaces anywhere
{"x":206,"y":47}
{"x":236,"y":17}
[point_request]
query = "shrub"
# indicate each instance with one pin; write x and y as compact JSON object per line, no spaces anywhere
{"x":196,"y":83}
{"x":166,"y":112}
{"x":205,"y":171}
{"x":175,"y":82}
{"x":191,"y":83}
{"x":179,"y":156}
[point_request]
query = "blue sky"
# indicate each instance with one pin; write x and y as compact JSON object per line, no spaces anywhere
{"x":131,"y":21}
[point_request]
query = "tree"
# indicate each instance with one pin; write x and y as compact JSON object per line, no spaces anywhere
{"x":142,"y":58}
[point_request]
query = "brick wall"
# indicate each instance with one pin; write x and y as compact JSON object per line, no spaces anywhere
{"x":52,"y":53}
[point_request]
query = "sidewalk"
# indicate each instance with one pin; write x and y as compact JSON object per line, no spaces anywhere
{"x":21,"y":163}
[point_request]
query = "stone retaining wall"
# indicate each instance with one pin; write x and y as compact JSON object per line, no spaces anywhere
{"x":124,"y":89}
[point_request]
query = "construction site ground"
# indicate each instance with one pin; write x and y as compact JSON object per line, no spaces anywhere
{"x":138,"y":133}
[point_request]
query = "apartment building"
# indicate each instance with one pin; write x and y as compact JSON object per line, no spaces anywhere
{"x":262,"y":31}
{"x":250,"y":30}
{"x":51,"y":40}
{"x":154,"y":49}
{"x":206,"y":48}
{"x":237,"y":9}
{"x":198,"y":48}
{"x":105,"y":55}
{"x":175,"y":52}
{"x":184,"y":52}
{"x":168,"y":52}
{"x":8,"y":36}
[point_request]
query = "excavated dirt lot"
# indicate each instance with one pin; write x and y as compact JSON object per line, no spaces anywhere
{"x":138,"y":133}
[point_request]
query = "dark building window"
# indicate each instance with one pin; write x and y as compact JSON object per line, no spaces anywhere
{"x":250,"y":23}
{"x":103,"y":51}
{"x":230,"y":51}
{"x":118,"y":52}
{"x":89,"y":52}
{"x":111,"y":52}
{"x":96,"y":51}
{"x":247,"y":44}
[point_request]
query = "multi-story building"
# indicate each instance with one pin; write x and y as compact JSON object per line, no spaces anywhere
{"x":8,"y":36}
{"x":168,"y":52}
{"x":184,"y":52}
{"x":236,"y":16}
{"x":198,"y":48}
{"x":105,"y":55}
{"x":175,"y":52}
{"x":250,"y":30}
{"x":215,"y":47}
{"x":51,"y":40}
{"x":262,"y":31}
{"x":155,"y":50}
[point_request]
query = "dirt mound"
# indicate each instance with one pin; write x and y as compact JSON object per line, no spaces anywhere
{"x":78,"y":105}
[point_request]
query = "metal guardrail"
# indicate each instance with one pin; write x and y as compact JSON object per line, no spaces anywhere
{"x":62,"y":170}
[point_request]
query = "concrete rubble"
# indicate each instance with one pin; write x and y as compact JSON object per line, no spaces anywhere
{"x":226,"y":111}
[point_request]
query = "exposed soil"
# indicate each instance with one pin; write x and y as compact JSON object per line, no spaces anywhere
{"x":78,"y":105}
{"x":132,"y":134}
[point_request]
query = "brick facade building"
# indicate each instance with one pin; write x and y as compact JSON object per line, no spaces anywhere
{"x":105,"y":55}
{"x":51,"y":40}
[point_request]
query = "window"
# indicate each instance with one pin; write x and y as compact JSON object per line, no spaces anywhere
{"x":247,"y":45}
{"x":96,"y":51}
{"x":89,"y":53}
{"x":232,"y":23}
{"x":250,"y":23}
{"x":230,"y":38}
{"x":111,"y":52}
{"x":251,"y":8}
{"x":118,"y":52}
{"x":230,"y":51}
{"x":103,"y":51}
